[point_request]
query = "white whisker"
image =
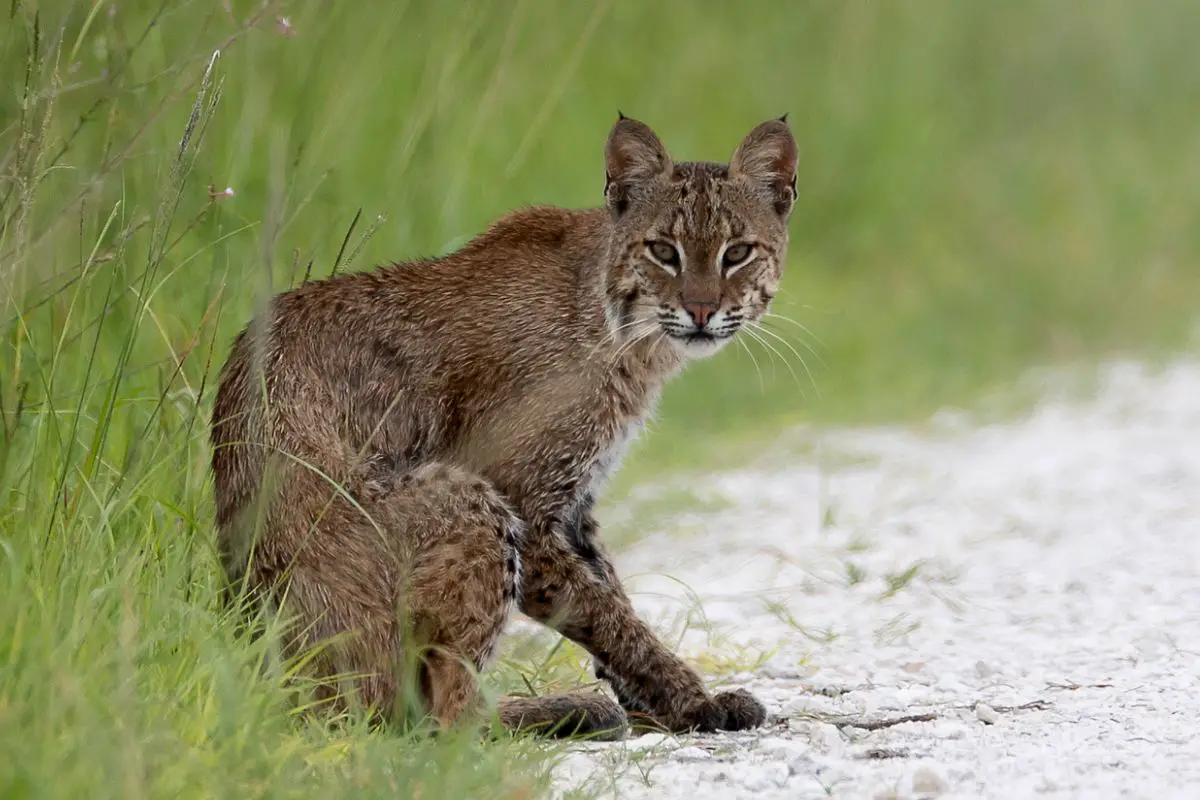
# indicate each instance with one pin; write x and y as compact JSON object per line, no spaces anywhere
{"x":611,"y":335}
{"x":762,"y":324}
{"x":753,"y":360}
{"x":795,"y":352}
{"x":755,"y":335}
{"x":804,"y":328}
{"x":634,"y":340}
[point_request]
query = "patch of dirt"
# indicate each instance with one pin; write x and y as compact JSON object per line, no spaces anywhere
{"x":1009,"y":610}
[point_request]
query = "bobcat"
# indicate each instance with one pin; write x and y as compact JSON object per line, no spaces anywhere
{"x":422,"y":445}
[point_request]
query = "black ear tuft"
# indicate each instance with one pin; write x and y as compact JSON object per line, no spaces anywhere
{"x":620,"y":116}
{"x":783,"y":119}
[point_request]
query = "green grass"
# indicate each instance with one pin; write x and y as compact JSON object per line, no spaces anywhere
{"x":984,"y":187}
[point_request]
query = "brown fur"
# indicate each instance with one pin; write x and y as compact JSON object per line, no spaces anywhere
{"x":422,"y":445}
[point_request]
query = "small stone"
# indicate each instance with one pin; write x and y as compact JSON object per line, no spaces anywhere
{"x":804,"y":765}
{"x":779,"y":672}
{"x":948,"y":683}
{"x":927,"y":783}
{"x":779,"y":773}
{"x":887,"y":701}
{"x":950,"y":730}
{"x":1047,"y":784}
{"x":983,"y":670}
{"x":986,"y":714}
{"x":853,"y":703}
{"x":809,"y":730}
{"x":691,"y":754}
{"x":913,"y":666}
{"x":575,"y":766}
{"x":647,"y":741}
{"x":1005,"y":696}
{"x":781,"y":748}
{"x":826,"y":738}
{"x":767,"y":776}
{"x":809,"y":705}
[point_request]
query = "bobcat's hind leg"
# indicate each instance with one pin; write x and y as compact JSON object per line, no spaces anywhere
{"x":422,"y":589}
{"x":461,"y":590}
{"x":460,"y":583}
{"x":428,"y":587}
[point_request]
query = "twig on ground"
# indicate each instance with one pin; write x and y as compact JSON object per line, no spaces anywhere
{"x":879,"y":722}
{"x":1072,"y":686}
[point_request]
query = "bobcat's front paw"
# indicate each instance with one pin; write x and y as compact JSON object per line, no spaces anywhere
{"x":728,"y":711}
{"x":742,"y":710}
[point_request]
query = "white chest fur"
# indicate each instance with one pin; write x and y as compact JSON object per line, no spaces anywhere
{"x":609,"y":460}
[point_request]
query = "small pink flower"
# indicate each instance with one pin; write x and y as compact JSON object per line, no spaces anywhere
{"x":284,"y":26}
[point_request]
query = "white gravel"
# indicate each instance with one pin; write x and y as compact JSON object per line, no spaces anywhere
{"x":1029,"y":592}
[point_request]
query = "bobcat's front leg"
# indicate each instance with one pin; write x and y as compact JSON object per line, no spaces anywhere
{"x":570,"y":585}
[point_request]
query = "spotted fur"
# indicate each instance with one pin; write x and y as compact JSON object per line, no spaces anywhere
{"x":415,"y":448}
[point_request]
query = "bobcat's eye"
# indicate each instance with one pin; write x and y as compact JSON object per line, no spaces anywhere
{"x":664,"y":253}
{"x":736,"y":255}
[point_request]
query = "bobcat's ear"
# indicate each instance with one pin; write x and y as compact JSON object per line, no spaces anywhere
{"x":632,"y":155}
{"x":768,"y":156}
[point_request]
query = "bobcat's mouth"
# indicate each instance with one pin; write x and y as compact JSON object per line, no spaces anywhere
{"x":697,"y":343}
{"x":691,"y":337}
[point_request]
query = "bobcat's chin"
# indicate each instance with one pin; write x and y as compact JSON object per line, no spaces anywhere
{"x":697,"y":345}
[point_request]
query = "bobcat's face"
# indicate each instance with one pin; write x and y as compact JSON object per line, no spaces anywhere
{"x":700,"y":247}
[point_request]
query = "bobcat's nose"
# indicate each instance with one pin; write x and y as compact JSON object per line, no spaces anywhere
{"x":700,"y":312}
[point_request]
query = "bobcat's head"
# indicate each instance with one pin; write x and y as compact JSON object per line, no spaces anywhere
{"x":699,"y":247}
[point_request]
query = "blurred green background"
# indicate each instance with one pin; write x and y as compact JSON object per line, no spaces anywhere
{"x":984,"y":187}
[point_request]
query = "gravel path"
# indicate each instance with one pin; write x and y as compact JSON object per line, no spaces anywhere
{"x":1000,"y":611}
